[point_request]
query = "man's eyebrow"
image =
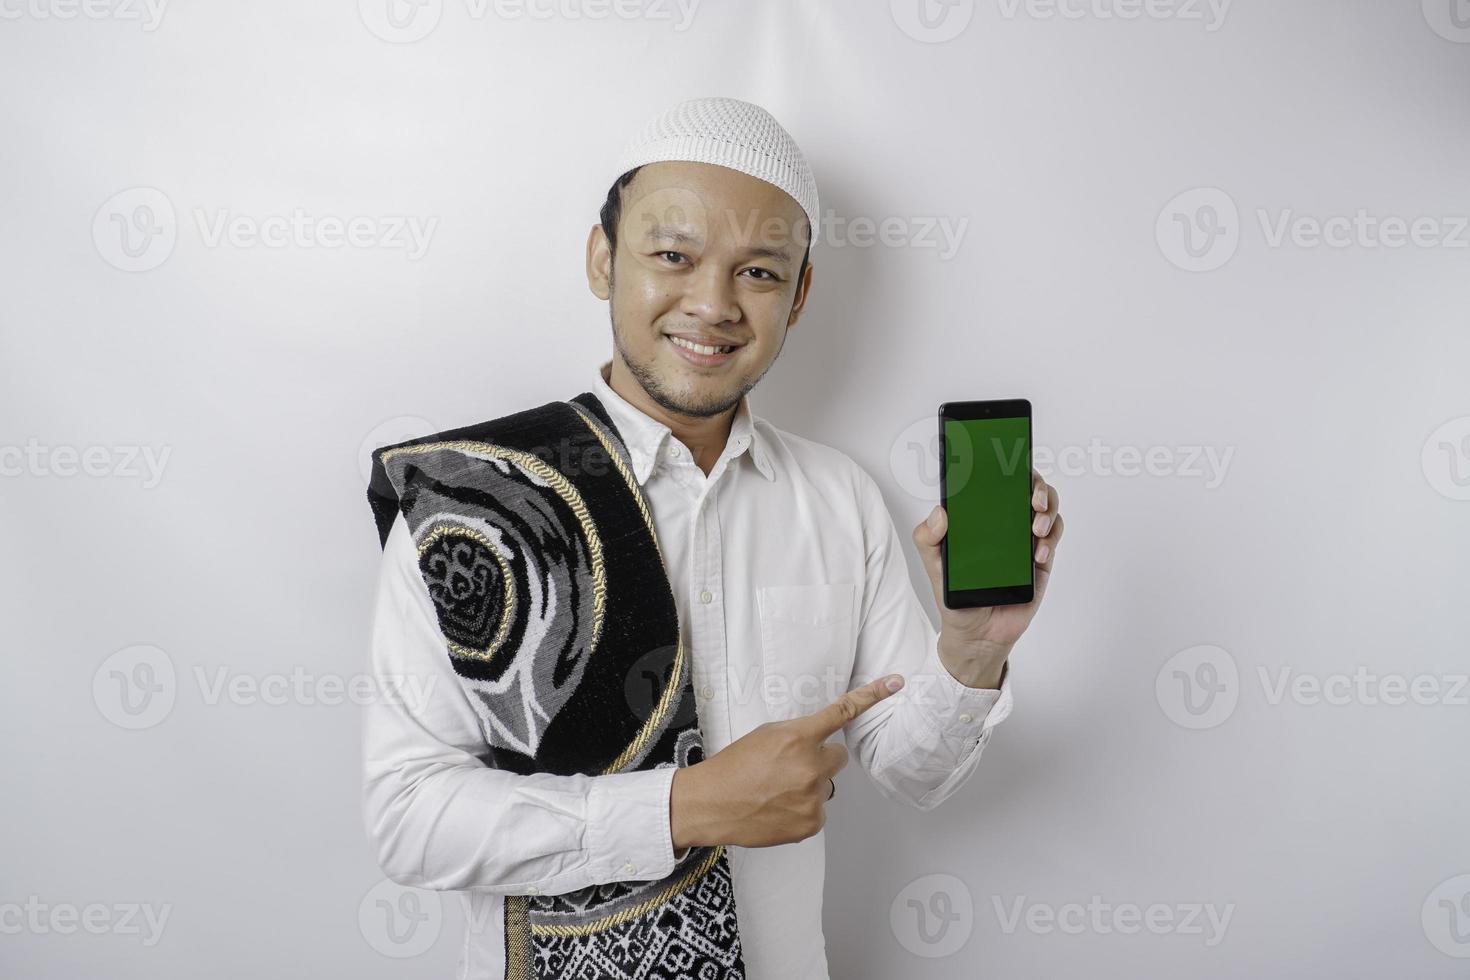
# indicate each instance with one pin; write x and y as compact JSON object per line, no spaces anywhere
{"x":676,"y":236}
{"x":779,"y":254}
{"x":659,"y":233}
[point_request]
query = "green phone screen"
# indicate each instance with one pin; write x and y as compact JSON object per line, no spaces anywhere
{"x":988,"y":491}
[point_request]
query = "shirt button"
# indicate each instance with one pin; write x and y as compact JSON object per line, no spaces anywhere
{"x":707,"y":692}
{"x":966,"y":718}
{"x":630,"y":868}
{"x":674,"y":451}
{"x":706,"y":596}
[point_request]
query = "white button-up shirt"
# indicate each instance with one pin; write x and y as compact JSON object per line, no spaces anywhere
{"x":791,"y":586}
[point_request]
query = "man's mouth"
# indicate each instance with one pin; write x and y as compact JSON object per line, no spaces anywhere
{"x":702,"y":348}
{"x":702,"y":352}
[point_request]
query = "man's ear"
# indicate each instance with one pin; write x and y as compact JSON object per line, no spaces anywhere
{"x":802,"y":289}
{"x":599,"y":263}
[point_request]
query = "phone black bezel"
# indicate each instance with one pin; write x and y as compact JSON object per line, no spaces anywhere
{"x":998,"y":408}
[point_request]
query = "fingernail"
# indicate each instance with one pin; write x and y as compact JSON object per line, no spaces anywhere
{"x":934,"y":519}
{"x":894,"y":683}
{"x":1042,"y":552}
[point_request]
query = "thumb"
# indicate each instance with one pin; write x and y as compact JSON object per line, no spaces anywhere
{"x":927,"y":536}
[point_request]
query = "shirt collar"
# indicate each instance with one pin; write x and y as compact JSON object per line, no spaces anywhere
{"x":646,"y":437}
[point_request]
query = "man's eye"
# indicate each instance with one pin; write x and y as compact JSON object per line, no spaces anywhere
{"x":769,"y":276}
{"x":676,"y":255}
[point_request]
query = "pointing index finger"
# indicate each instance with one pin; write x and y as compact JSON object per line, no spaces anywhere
{"x":827,"y":721}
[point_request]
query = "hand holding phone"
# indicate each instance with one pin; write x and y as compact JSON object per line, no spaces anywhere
{"x":985,"y":487}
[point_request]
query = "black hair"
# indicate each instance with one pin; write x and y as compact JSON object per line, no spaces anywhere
{"x":612,"y":213}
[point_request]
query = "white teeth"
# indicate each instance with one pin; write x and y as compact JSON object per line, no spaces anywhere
{"x":700,"y":348}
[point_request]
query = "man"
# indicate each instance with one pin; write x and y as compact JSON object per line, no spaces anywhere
{"x":768,"y":561}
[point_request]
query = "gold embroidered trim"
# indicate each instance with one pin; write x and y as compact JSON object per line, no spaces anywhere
{"x":519,"y":960}
{"x":632,"y":912}
{"x":671,"y":691}
{"x":617,"y":458}
{"x":564,"y":489}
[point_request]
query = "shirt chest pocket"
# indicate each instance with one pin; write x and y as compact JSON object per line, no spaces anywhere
{"x":808,"y":641}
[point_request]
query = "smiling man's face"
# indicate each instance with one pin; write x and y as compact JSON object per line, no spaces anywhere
{"x":708,"y":256}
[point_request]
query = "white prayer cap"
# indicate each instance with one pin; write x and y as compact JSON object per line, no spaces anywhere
{"x":730,"y":133}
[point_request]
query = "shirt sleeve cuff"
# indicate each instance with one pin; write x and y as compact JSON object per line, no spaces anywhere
{"x":628,"y":833}
{"x":958,"y":709}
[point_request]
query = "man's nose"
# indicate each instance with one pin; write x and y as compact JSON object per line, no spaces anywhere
{"x":710,"y":295}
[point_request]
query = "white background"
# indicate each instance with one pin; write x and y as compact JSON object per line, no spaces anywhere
{"x":1334,"y":543}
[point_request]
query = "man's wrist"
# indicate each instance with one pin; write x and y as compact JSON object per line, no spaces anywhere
{"x":685,"y":829}
{"x":979,"y":664}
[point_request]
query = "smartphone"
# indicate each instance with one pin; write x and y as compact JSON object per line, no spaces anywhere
{"x":985,"y":486}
